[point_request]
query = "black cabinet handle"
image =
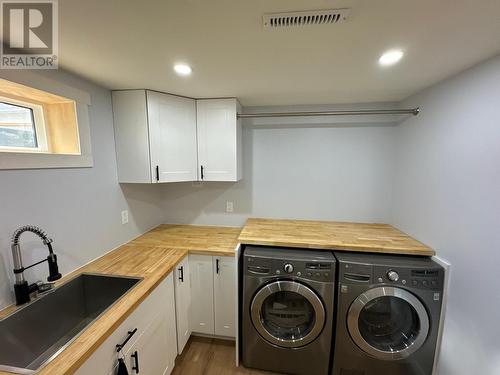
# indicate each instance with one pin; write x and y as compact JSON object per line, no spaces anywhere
{"x":129,"y":336}
{"x":181,"y":276}
{"x":136,"y":360}
{"x":202,"y":172}
{"x":157,"y":173}
{"x":217,"y":268}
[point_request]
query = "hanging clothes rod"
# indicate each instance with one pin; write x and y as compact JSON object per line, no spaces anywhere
{"x":407,"y":111}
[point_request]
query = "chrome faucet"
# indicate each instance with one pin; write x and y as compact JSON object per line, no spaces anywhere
{"x":21,"y":288}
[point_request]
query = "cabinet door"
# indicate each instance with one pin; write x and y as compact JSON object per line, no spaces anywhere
{"x":148,"y":355}
{"x":183,"y":304}
{"x":171,"y":351}
{"x":219,"y":140}
{"x":130,"y":123}
{"x":155,"y":351}
{"x":225,"y":296}
{"x":172,"y":137}
{"x":202,"y":294}
{"x":161,"y":299}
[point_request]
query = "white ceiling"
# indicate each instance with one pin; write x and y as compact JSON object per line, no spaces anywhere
{"x":134,"y":44}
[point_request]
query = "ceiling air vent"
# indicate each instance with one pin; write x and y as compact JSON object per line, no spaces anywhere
{"x":306,"y":18}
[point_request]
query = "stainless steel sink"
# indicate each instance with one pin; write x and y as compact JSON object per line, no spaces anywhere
{"x":36,"y":333}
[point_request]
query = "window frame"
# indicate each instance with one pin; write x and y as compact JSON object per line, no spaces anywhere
{"x":68,"y":88}
{"x":38,"y":119}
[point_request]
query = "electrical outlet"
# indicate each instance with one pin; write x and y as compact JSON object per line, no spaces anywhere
{"x":229,"y":206}
{"x":124,"y":217}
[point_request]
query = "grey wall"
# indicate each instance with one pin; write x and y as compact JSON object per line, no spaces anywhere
{"x":439,"y":172}
{"x":79,"y":208}
{"x":317,"y":170}
{"x":447,"y":194}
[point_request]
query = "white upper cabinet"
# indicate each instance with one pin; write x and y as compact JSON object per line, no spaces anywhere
{"x":166,"y":138}
{"x":172,"y":131}
{"x":219,"y":140}
{"x":155,"y":136}
{"x":130,"y":121}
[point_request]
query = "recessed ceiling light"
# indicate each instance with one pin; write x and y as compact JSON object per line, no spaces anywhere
{"x":391,"y":57}
{"x":183,"y":69}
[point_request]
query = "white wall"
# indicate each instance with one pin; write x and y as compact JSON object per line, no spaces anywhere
{"x":79,"y":208}
{"x":447,"y":194}
{"x":300,"y":170}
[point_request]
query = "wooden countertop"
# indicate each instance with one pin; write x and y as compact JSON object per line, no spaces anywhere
{"x":377,"y":238}
{"x":196,"y":239}
{"x":151,"y":256}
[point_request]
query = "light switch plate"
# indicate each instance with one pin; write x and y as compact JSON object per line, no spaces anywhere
{"x":229,"y":207}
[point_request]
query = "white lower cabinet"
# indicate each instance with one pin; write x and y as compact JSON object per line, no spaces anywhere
{"x":182,"y":284}
{"x":154,"y":340}
{"x":224,"y":296}
{"x":202,"y":294}
{"x":213,"y":294}
{"x":155,"y":350}
{"x":198,"y":296}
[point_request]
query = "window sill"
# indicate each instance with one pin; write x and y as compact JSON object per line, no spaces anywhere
{"x":23,"y":160}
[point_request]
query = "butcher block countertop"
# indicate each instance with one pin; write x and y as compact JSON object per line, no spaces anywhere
{"x":375,"y":238}
{"x":196,"y":239}
{"x":151,"y":256}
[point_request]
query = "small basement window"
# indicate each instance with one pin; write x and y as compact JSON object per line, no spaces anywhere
{"x":37,"y":122}
{"x":22,"y":127}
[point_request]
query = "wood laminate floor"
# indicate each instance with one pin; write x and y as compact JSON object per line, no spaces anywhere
{"x":205,"y":356}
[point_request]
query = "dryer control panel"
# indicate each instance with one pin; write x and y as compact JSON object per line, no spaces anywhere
{"x":415,"y":278}
{"x":426,"y":276}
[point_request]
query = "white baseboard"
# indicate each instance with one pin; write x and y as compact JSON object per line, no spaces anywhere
{"x":213,"y":336}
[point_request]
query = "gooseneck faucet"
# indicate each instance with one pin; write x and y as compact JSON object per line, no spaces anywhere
{"x":21,"y":288}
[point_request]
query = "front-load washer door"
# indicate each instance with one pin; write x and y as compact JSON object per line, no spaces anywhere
{"x":388,"y":323}
{"x":287,"y":314}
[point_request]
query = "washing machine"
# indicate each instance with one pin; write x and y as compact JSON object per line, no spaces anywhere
{"x":388,"y":314}
{"x":288,"y":306}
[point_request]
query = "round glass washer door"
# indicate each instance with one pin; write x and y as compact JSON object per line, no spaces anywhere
{"x":388,"y":323}
{"x":287,"y":314}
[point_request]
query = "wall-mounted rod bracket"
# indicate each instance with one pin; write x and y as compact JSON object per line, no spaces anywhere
{"x":358,"y":112}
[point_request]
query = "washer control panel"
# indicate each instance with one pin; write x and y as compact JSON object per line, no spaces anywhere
{"x":312,"y":271}
{"x":318,"y":271}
